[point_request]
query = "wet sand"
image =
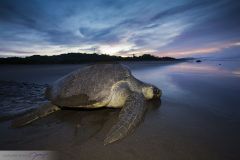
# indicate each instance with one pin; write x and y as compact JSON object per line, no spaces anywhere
{"x":198,"y":117}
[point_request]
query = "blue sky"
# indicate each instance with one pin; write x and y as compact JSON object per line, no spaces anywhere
{"x":178,"y":28}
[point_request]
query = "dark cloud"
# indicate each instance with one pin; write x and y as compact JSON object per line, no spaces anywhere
{"x":223,"y":25}
{"x":15,"y":13}
{"x":97,"y":34}
{"x":180,"y":9}
{"x":159,"y":25}
{"x":16,"y":51}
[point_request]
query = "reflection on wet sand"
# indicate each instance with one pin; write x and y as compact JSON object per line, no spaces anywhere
{"x":86,"y":124}
{"x":79,"y":124}
{"x":198,"y":118}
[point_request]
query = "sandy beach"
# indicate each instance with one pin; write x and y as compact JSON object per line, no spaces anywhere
{"x":197,"y":118}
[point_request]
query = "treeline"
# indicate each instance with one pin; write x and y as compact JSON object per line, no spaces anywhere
{"x":75,"y":58}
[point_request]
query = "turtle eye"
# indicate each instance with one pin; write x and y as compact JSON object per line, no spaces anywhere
{"x":155,"y":91}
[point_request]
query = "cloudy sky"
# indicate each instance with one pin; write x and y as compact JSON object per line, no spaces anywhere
{"x":178,"y":28}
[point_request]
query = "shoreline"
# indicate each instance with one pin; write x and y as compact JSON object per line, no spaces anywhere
{"x":195,"y":119}
{"x":92,"y":62}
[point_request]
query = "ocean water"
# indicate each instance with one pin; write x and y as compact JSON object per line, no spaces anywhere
{"x":198,"y":118}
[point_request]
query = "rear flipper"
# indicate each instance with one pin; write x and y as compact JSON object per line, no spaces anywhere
{"x":44,"y":110}
{"x":130,"y":116}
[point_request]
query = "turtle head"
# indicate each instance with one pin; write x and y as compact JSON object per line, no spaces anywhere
{"x":151,"y":92}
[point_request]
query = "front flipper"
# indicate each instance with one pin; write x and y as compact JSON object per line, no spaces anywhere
{"x":130,"y":116}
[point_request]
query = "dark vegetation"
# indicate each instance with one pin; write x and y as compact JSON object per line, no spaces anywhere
{"x":75,"y":58}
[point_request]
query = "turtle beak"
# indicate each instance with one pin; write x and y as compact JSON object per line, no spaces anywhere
{"x":159,"y":93}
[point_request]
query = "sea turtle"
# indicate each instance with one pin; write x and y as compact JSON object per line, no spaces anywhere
{"x":95,"y":86}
